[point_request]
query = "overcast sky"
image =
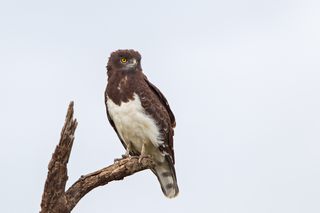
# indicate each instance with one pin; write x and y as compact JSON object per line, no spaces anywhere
{"x":242,"y":77}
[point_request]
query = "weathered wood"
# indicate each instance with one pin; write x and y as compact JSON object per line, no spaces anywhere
{"x":55,"y":198}
{"x":116,"y":171}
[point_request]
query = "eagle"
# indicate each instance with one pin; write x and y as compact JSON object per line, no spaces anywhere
{"x":141,"y":116}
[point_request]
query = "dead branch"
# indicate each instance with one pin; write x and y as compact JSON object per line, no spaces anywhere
{"x":55,"y":199}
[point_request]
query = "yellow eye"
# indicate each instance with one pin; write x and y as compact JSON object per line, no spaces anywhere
{"x":123,"y":60}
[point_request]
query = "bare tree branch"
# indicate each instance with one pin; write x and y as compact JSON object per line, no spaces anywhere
{"x":117,"y":171}
{"x":55,"y":199}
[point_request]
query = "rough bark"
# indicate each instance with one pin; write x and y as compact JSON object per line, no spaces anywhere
{"x":55,"y":198}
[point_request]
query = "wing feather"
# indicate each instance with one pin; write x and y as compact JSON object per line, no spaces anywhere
{"x":163,"y":99}
{"x":168,"y":146}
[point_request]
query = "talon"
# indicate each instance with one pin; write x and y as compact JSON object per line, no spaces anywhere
{"x":143,"y":156}
{"x":119,"y":159}
{"x":125,"y":156}
{"x":116,"y":160}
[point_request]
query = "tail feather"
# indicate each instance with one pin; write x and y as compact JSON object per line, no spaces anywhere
{"x":166,"y":175}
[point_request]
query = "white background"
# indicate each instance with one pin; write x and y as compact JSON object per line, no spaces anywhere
{"x":242,"y":77}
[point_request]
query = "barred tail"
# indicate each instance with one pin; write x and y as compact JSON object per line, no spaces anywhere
{"x":166,"y":175}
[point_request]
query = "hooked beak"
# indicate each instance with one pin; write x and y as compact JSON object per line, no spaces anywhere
{"x":132,"y":62}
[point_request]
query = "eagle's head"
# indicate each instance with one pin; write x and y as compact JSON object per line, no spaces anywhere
{"x":124,"y":60}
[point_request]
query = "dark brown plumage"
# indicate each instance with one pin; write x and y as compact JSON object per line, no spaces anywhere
{"x":130,"y":97}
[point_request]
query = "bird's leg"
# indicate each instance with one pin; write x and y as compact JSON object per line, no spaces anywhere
{"x":129,"y":147}
{"x":143,"y":152}
{"x":127,"y":154}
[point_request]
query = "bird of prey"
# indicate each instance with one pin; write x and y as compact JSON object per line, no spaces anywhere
{"x":140,"y":115}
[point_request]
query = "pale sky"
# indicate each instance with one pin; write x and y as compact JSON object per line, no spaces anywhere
{"x":242,"y":77}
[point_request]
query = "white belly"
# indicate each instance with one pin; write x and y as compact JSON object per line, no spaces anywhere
{"x":133,"y":124}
